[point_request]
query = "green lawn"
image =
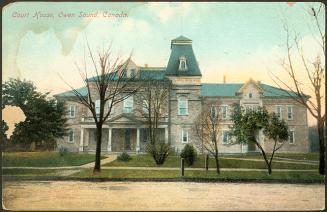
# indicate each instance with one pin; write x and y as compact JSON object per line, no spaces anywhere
{"x":45,"y":159}
{"x":312,"y":156}
{"x":29,"y":172}
{"x":198,"y":175}
{"x":174,"y":161}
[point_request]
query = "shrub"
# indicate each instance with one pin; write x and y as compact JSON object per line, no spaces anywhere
{"x":159,"y":151}
{"x":189,"y":154}
{"x":63,"y":150}
{"x":124,"y":157}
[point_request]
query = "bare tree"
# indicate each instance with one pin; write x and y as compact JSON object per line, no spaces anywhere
{"x":153,"y":109}
{"x":208,"y":128}
{"x":108,"y":86}
{"x":315,"y":71}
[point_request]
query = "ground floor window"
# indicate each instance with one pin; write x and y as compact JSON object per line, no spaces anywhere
{"x":71,"y":136}
{"x":291,"y":136}
{"x":225,"y":136}
{"x":184,"y":136}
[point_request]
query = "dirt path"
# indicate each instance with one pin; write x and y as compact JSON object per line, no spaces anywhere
{"x":52,"y":195}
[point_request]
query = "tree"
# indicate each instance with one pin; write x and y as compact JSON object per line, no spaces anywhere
{"x":4,"y":128}
{"x":109,"y":85}
{"x":152,"y":101}
{"x":45,"y":117}
{"x":277,"y":130}
{"x":315,"y":72}
{"x":208,"y":128}
{"x":248,"y":124}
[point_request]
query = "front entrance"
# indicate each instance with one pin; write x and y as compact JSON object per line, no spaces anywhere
{"x":123,"y":140}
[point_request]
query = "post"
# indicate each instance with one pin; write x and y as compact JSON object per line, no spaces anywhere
{"x":182,"y":166}
{"x":207,"y":162}
{"x":109,"y":140}
{"x":166,"y":135}
{"x":81,"y":143}
{"x":138,"y":140}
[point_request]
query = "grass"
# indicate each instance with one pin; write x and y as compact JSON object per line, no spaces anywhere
{"x":174,"y":161}
{"x":29,"y":172}
{"x":312,"y":156}
{"x":202,"y":175}
{"x":45,"y":159}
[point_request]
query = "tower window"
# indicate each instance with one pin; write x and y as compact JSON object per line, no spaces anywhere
{"x":182,"y":64}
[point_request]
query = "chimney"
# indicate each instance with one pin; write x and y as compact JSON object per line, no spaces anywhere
{"x":224,"y":79}
{"x":146,"y":65}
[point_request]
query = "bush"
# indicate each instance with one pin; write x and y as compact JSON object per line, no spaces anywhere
{"x":63,"y":150}
{"x":189,"y":154}
{"x":124,"y":157}
{"x":159,"y":151}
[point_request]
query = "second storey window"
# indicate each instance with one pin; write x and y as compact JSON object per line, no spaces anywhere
{"x":97,"y":106}
{"x":213,"y":111}
{"x":128,"y":104}
{"x":290,"y":112}
{"x":145,"y":106}
{"x":71,"y":112}
{"x":182,"y":106}
{"x":279,"y":111}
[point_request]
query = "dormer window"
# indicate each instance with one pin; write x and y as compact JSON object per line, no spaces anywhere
{"x":182,"y":64}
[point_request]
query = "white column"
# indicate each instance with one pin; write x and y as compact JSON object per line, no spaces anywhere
{"x":81,"y":140}
{"x":138,"y":140}
{"x":166,"y":135}
{"x":109,"y":139}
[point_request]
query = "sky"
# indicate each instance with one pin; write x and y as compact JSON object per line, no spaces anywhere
{"x":42,"y":43}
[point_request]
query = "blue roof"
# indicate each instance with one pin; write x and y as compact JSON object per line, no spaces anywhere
{"x":230,"y":89}
{"x":70,"y":93}
{"x":150,"y":74}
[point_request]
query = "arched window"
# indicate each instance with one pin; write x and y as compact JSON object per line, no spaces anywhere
{"x":182,"y":63}
{"x":182,"y":106}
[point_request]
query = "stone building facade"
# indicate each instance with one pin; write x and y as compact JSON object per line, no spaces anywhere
{"x":125,"y":131}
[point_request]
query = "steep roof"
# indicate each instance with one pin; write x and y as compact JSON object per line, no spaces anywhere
{"x":152,"y":73}
{"x":230,"y":89}
{"x":182,"y":47}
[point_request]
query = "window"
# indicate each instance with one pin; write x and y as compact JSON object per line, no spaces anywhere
{"x":97,"y":106}
{"x":132,"y":73}
{"x":182,"y":106}
{"x":250,"y":107}
{"x":71,"y":112}
{"x":182,"y":64}
{"x":225,"y":136}
{"x":184,"y":136}
{"x":145,"y":106}
{"x":128,"y":104}
{"x":291,"y":137}
{"x":290,"y":112}
{"x":250,"y":95}
{"x":224,"y":112}
{"x":112,"y":106}
{"x":213,"y":111}
{"x":279,"y":111}
{"x":71,"y":136}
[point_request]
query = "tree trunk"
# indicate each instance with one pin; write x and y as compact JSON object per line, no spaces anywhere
{"x":217,"y":164}
{"x":269,"y":168}
{"x":97,"y":165}
{"x":321,"y":146}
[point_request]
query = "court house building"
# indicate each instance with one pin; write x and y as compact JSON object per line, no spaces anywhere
{"x":188,"y":96}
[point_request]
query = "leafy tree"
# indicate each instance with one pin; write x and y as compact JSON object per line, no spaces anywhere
{"x":45,"y":117}
{"x":277,"y":130}
{"x":189,"y":154}
{"x":248,"y":124}
{"x":4,"y":128}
